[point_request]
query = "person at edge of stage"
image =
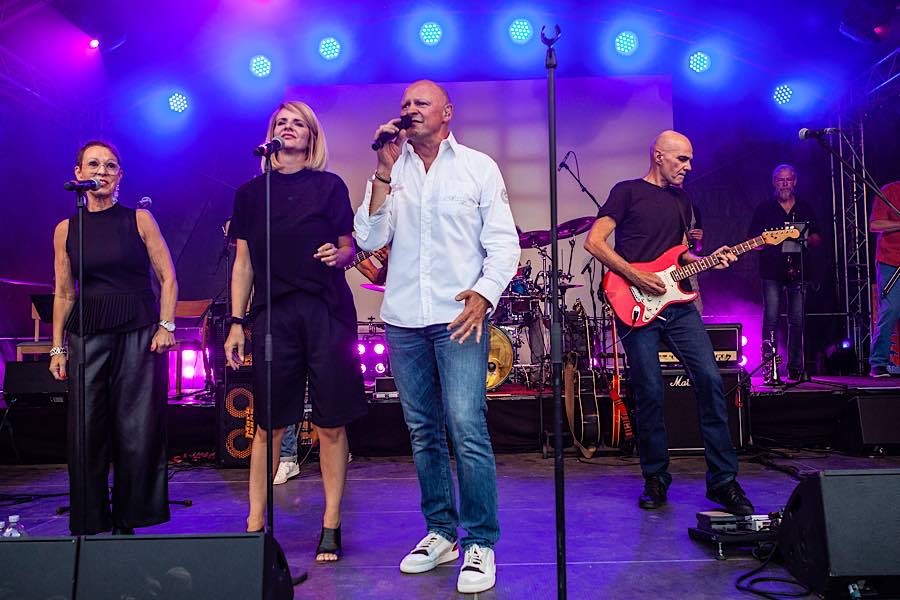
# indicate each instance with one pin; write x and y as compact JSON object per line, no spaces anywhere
{"x":649,"y":216}
{"x":126,"y":338}
{"x":780,"y":270}
{"x":313,"y":315}
{"x":431,"y":197}
{"x":288,"y":465}
{"x":886,"y":223}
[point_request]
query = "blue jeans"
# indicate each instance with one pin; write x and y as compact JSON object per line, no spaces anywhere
{"x":796,"y":299}
{"x":683,"y":332}
{"x":289,"y":444}
{"x":442,"y":387}
{"x":888,"y":314}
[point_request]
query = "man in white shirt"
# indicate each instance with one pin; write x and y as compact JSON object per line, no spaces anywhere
{"x":444,"y":209}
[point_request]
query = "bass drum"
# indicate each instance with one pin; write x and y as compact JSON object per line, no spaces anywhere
{"x":500,"y":357}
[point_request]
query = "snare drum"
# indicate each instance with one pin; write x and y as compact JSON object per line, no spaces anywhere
{"x":500,"y":357}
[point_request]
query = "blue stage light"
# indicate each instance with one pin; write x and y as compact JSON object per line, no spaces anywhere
{"x":782,"y":94}
{"x":260,"y":66}
{"x":626,"y":43}
{"x":178,"y":102}
{"x":430,"y":33}
{"x":520,"y":31}
{"x":329,"y":48}
{"x":699,"y":62}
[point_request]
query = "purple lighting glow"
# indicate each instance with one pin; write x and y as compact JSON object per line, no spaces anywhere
{"x":743,"y":341}
{"x":379,"y":349}
{"x":95,"y":43}
{"x":380,"y":368}
{"x":361,"y":349}
{"x":743,"y":362}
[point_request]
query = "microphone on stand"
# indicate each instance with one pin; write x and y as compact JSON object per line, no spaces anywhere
{"x":563,"y":164}
{"x":270,"y":147}
{"x":807,"y":134}
{"x":78,"y":185}
{"x":405,"y":123}
{"x":146,"y":202}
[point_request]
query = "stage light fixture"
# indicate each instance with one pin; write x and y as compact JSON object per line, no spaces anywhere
{"x":379,"y":349}
{"x":380,"y":368}
{"x":361,"y":349}
{"x":743,"y":362}
{"x":95,"y":43}
{"x":329,"y":48}
{"x":178,"y":102}
{"x":430,"y":33}
{"x":782,"y":94}
{"x":699,"y":62}
{"x":260,"y":66}
{"x":626,"y":43}
{"x":188,"y":371}
{"x":362,"y":368}
{"x":520,"y":31}
{"x":743,"y":341}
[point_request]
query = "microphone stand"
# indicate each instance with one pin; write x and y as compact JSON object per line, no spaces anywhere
{"x":555,"y":331}
{"x":565,"y":166}
{"x":81,"y":457}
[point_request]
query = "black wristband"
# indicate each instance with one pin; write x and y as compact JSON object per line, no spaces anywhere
{"x":234,"y":321}
{"x":381,"y":179}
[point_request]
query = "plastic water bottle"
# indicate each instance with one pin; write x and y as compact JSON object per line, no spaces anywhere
{"x":14,"y":529}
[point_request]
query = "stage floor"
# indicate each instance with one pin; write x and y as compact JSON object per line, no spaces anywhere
{"x":615,"y":550}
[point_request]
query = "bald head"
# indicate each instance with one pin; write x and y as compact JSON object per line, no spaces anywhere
{"x":428,"y":104}
{"x":670,"y":159}
{"x":430,"y":87}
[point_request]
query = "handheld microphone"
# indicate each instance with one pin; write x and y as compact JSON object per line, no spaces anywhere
{"x":270,"y":147}
{"x":82,"y":185}
{"x":145,"y":202}
{"x":806,"y":133}
{"x":405,"y":123}
{"x":563,"y":164}
{"x":587,"y":266}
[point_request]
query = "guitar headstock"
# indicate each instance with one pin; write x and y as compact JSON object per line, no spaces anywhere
{"x":773,"y":237}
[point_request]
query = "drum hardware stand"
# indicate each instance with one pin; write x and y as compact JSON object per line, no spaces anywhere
{"x":555,"y":331}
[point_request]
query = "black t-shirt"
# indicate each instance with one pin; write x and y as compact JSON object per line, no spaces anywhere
{"x":774,"y":262}
{"x":649,"y":219}
{"x":309,"y":208}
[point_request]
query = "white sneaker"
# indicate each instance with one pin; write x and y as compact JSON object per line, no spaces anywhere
{"x":430,"y":552}
{"x":479,"y":572}
{"x":286,"y":470}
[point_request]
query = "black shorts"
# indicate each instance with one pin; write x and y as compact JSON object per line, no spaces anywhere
{"x":308,"y":343}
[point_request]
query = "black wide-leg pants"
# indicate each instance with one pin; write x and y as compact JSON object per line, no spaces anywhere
{"x":124,"y":423}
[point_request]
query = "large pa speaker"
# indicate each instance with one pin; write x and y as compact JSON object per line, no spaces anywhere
{"x":870,"y":421}
{"x":235,"y":424}
{"x":843,"y":526}
{"x":680,"y":405}
{"x":37,"y":568}
{"x":249,"y":566}
{"x":30,"y":382}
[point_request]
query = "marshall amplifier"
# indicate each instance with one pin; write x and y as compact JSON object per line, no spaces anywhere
{"x":726,"y":343}
{"x":680,"y":406}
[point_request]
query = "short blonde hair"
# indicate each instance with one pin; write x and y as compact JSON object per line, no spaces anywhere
{"x":316,"y":149}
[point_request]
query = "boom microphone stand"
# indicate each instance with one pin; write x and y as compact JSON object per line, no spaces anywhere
{"x":555,"y":331}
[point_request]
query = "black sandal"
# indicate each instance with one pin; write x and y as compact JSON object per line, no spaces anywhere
{"x":329,"y":543}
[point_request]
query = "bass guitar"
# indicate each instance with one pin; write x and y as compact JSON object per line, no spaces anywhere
{"x":581,"y":391}
{"x":636,"y":309}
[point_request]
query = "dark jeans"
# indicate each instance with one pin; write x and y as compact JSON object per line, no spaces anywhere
{"x":682,"y":330}
{"x":442,"y":387}
{"x":888,"y":314}
{"x":796,"y":301}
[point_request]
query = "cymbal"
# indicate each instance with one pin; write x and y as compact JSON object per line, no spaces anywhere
{"x":372,"y":286}
{"x":568,"y":286}
{"x":574,"y":227}
{"x":534,"y":239}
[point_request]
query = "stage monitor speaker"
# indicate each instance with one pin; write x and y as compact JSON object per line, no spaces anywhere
{"x":868,"y":422}
{"x":840,"y":527}
{"x":182,"y":567}
{"x":30,"y":382}
{"x":37,"y":568}
{"x":235,"y":424}
{"x":680,"y":404}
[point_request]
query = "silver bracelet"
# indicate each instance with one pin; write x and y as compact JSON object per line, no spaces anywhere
{"x":57,"y":350}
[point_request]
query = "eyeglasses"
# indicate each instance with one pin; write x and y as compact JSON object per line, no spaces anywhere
{"x":94,"y":166}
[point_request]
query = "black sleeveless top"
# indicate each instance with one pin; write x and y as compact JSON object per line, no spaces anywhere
{"x":117,"y":289}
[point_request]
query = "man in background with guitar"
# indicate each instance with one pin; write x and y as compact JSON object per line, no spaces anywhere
{"x":651,"y":216}
{"x":780,"y":268}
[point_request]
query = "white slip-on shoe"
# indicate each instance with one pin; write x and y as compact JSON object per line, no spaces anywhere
{"x":286,"y":470}
{"x":433,"y":550}
{"x":479,"y":571}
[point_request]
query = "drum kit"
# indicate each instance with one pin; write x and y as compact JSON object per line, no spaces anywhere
{"x":523,"y":313}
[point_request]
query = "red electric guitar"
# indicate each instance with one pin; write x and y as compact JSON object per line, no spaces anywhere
{"x":620,"y":421}
{"x":636,"y":309}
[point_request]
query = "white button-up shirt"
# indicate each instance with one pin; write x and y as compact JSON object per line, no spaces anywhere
{"x":450,"y":230}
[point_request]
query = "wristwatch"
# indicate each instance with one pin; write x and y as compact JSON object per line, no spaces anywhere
{"x":167,"y":325}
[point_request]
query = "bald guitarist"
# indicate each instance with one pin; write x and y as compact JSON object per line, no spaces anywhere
{"x":651,"y":216}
